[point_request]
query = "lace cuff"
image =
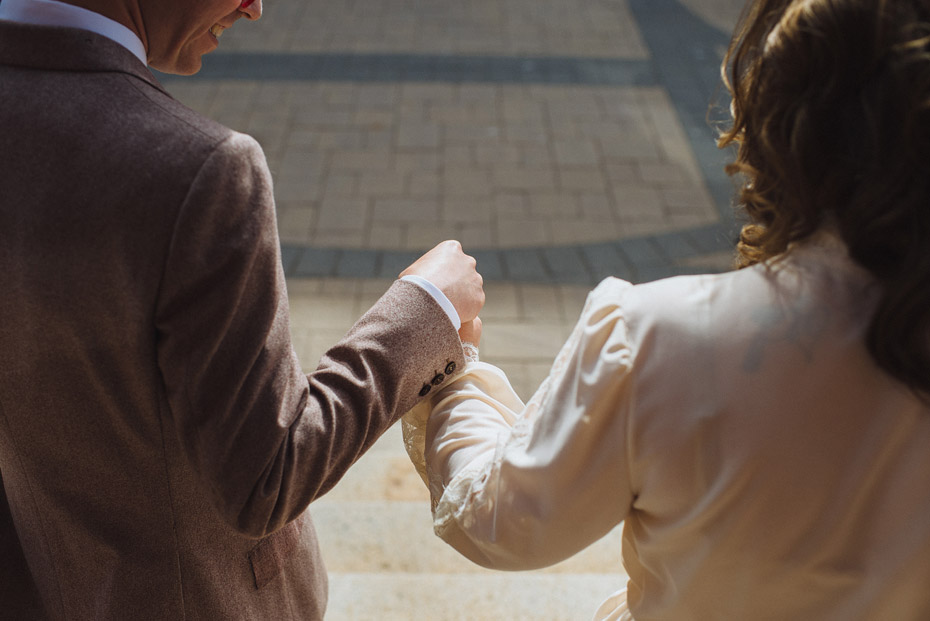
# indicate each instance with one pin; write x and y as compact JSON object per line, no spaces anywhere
{"x":471,"y":352}
{"x":413,"y":427}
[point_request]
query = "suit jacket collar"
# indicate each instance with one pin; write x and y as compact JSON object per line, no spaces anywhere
{"x":67,"y":49}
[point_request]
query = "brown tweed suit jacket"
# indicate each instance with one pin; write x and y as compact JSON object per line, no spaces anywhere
{"x":159,"y":443}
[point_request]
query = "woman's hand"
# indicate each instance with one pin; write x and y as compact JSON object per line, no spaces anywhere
{"x":470,"y":332}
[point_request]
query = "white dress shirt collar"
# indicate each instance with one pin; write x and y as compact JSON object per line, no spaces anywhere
{"x":52,"y":13}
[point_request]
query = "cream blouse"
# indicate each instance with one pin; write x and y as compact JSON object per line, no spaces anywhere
{"x":762,"y":464}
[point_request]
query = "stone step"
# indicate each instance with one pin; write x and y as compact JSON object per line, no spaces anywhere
{"x":385,"y":563}
{"x":397,"y":536}
{"x":383,"y":473}
{"x":456,"y":597}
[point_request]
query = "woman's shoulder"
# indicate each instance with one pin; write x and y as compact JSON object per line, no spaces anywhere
{"x":669,"y":296}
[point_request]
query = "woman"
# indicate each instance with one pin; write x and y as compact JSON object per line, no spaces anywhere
{"x":763,"y":434}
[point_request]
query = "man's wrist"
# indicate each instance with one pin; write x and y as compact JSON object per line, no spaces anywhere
{"x":437,"y":295}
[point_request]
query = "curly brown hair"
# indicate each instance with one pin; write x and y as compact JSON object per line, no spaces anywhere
{"x":831,"y":119}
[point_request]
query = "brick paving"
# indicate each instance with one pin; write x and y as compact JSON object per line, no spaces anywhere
{"x":401,"y":166}
{"x":561,"y":141}
{"x":557,"y":145}
{"x":508,"y":27}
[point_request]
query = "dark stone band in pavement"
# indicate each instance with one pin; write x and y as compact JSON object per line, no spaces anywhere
{"x":686,"y":53}
{"x":639,"y":259}
{"x":684,"y":59}
{"x":258,"y":66}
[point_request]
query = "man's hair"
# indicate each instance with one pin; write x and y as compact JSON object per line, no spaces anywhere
{"x":831,"y":119}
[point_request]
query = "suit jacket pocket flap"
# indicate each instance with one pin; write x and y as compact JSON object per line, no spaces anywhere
{"x":269,"y":555}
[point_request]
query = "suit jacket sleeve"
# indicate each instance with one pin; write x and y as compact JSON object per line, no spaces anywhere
{"x":266,"y":438}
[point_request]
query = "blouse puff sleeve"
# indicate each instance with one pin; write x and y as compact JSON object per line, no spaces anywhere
{"x":522,"y":487}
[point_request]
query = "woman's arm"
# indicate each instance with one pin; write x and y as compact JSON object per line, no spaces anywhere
{"x":521,"y":487}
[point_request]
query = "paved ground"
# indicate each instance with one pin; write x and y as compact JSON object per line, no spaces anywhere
{"x":560,"y":140}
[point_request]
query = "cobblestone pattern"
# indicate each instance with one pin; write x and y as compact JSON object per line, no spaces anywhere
{"x":401,"y":167}
{"x":545,"y":182}
{"x":589,"y":28}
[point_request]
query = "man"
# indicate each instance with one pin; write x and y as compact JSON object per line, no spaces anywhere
{"x":158,"y":441}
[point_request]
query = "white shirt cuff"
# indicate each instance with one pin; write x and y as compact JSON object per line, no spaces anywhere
{"x":439,"y":296}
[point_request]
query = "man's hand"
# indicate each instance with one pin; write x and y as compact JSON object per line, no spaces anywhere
{"x":453,"y":272}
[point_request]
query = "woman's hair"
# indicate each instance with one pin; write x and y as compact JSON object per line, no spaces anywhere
{"x":831,"y":119}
